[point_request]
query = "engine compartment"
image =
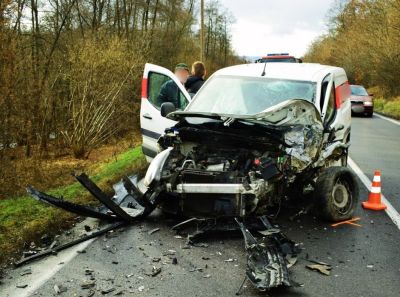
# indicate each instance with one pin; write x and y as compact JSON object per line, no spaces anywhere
{"x":240,"y":166}
{"x":219,"y":180}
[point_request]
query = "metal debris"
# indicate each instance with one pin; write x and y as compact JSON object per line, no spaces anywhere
{"x":59,"y":289}
{"x":169,"y":253}
{"x":106,"y":291}
{"x":155,"y":271}
{"x":26,"y":271}
{"x":291,"y":260}
{"x":88,"y":284}
{"x":154,"y":231}
{"x":21,"y":286}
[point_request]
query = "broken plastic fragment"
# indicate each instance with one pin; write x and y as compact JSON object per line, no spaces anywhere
{"x":321,"y":268}
{"x":266,"y":266}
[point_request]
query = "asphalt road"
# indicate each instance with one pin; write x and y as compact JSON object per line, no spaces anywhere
{"x":365,"y":260}
{"x":375,"y":144}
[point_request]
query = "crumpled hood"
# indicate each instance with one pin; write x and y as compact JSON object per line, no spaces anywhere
{"x":300,"y":118}
{"x":290,"y":112}
{"x":294,"y":111}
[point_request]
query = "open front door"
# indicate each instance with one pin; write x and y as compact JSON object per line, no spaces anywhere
{"x":159,"y":85}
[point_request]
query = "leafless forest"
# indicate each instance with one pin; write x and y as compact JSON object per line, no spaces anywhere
{"x":70,"y":70}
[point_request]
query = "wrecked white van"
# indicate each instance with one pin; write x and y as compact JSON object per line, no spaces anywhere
{"x":252,"y":136}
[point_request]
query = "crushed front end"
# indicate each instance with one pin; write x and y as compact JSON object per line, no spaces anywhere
{"x":217,"y":166}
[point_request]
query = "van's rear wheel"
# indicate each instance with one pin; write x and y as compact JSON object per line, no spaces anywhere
{"x":336,"y":194}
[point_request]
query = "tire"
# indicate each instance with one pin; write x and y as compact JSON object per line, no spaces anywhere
{"x":336,"y":194}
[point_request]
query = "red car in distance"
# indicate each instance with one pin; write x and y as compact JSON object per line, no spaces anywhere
{"x":361,"y":101}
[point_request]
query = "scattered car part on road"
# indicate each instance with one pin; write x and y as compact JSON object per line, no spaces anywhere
{"x":67,"y":245}
{"x":348,"y":222}
{"x":321,"y":268}
{"x":266,"y":264}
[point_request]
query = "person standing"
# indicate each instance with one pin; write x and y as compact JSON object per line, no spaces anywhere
{"x":169,"y":91}
{"x":196,"y":80}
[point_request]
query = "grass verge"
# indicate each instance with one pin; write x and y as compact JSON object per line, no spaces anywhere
{"x":23,"y":220}
{"x":388,"y":107}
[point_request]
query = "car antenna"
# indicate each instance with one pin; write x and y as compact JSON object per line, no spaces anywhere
{"x":265,"y":65}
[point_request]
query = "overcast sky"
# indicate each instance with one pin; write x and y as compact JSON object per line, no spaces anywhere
{"x":273,"y":26}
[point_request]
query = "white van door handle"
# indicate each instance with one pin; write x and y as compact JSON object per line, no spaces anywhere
{"x":147,"y":116}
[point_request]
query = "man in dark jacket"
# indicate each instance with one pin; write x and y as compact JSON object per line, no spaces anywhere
{"x":196,"y":80}
{"x":169,"y":91}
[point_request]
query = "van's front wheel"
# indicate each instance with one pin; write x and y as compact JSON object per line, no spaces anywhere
{"x":336,"y":194}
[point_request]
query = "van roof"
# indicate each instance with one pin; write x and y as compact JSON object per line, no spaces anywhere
{"x":294,"y":71}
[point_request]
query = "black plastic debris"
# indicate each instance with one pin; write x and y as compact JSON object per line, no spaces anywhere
{"x":269,"y":252}
{"x":67,"y":245}
{"x":126,"y":207}
{"x":266,"y":263}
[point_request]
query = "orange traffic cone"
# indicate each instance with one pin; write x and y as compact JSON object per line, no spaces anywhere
{"x":374,"y":199}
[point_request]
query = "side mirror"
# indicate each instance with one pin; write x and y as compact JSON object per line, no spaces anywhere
{"x":167,"y":108}
{"x":371,"y":95}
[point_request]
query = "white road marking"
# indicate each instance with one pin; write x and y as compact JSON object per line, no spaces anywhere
{"x":387,"y":119}
{"x":390,"y":210}
{"x":44,"y":270}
